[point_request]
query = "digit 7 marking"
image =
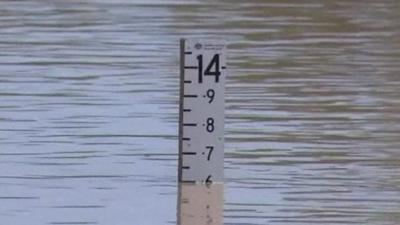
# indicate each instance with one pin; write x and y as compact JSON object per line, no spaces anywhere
{"x":210,"y":150}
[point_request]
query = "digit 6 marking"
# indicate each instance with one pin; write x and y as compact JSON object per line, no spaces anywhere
{"x":208,"y":180}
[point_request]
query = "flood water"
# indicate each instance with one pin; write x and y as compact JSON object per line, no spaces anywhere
{"x":89,"y":108}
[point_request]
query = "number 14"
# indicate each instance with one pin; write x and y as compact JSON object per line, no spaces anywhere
{"x":214,"y":63}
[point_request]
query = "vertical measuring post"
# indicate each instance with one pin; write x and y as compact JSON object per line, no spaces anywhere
{"x":202,"y":110}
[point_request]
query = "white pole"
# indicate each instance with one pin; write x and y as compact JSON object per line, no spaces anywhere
{"x":202,"y":115}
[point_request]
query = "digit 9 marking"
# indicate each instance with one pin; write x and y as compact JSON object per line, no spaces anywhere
{"x":210,"y":95}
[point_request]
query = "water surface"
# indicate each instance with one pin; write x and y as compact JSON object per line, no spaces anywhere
{"x":89,"y":107}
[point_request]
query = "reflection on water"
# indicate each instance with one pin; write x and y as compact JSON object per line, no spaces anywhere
{"x":200,"y":204}
{"x":88,"y":110}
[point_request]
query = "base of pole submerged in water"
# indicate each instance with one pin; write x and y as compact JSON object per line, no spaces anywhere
{"x":202,"y":110}
{"x":200,"y":204}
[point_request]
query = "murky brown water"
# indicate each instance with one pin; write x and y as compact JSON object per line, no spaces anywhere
{"x":88,"y":110}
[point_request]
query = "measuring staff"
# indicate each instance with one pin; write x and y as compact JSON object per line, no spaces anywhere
{"x":201,"y":114}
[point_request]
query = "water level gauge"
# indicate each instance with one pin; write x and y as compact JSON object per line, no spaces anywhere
{"x":202,"y":104}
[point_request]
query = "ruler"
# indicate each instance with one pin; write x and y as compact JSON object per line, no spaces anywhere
{"x":202,"y":110}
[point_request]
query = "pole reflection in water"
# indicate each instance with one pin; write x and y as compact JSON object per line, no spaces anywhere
{"x":200,"y":204}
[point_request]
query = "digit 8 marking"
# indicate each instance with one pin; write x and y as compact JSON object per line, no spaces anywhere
{"x":210,"y":124}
